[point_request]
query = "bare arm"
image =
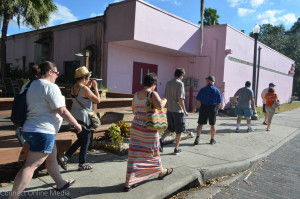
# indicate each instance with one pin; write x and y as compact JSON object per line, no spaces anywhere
{"x":64,"y":113}
{"x":196,"y":105}
{"x":234,"y":99}
{"x":132,"y":106}
{"x":252,"y":103}
{"x":94,"y":97}
{"x":182,"y":105}
{"x":218,"y":107}
{"x":157,"y":101}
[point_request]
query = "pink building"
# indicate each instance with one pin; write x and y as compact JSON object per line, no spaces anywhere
{"x":138,"y":37}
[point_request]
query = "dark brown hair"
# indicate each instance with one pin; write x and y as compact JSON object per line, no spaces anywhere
{"x":45,"y":67}
{"x":150,"y":79}
{"x":271,"y":90}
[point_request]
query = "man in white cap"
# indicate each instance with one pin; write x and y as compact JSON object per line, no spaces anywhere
{"x":263,"y":94}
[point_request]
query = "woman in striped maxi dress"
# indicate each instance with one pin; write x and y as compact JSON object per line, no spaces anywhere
{"x":143,"y":155}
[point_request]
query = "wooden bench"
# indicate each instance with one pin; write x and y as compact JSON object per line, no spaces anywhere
{"x":12,"y":151}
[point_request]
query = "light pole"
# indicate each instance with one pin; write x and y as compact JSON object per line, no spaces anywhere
{"x":256,"y":30}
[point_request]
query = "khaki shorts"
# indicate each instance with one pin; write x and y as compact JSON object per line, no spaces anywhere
{"x":270,"y":111}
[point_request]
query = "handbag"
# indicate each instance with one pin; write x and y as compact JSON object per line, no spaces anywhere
{"x":276,"y":103}
{"x":95,"y":120}
{"x":156,"y":119}
{"x":19,"y":108}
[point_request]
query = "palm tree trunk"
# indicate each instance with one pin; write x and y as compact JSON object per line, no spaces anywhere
{"x":5,"y":22}
{"x":202,"y":25}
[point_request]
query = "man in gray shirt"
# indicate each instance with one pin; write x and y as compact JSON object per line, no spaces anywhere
{"x":245,"y":106}
{"x":175,"y":95}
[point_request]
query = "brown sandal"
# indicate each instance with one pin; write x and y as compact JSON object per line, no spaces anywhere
{"x":166,"y":174}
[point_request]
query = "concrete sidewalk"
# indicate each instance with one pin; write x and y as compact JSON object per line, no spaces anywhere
{"x":233,"y":152}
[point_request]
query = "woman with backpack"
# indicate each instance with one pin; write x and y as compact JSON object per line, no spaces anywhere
{"x":272,"y":102}
{"x":46,"y":110}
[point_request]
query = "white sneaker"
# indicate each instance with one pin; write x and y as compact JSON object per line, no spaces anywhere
{"x":250,"y":130}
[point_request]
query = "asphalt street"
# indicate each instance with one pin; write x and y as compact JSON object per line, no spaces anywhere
{"x":278,"y":177}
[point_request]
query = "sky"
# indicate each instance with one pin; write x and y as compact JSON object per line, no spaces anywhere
{"x":241,"y":14}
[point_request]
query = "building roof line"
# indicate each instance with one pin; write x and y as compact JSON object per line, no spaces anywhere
{"x":59,"y":27}
{"x":156,"y":8}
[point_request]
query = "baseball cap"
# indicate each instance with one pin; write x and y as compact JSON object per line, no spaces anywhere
{"x":210,"y":78}
{"x":272,"y":85}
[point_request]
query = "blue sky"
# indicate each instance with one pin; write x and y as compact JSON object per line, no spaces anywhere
{"x":241,"y":14}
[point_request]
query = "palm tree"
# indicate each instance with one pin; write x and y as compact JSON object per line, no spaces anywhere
{"x":211,"y":17}
{"x":35,"y":13}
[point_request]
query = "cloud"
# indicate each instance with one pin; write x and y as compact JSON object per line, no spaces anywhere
{"x":61,"y":16}
{"x":235,"y":3}
{"x":242,"y":12}
{"x":175,"y":2}
{"x":95,"y":15}
{"x":256,"y":3}
{"x":271,"y":16}
{"x":288,"y":19}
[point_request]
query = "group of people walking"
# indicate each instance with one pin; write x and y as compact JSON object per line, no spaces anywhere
{"x":47,"y":108}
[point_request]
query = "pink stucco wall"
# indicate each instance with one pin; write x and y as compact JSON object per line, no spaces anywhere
{"x":155,"y":26}
{"x":18,"y":46}
{"x":120,"y":67}
{"x":143,"y":22}
{"x":236,"y":74}
{"x":68,"y":39}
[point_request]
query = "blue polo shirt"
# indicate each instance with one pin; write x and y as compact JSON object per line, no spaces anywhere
{"x":209,"y":95}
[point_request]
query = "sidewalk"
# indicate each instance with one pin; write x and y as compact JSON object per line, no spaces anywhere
{"x":233,"y":152}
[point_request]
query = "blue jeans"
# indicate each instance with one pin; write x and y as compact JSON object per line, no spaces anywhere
{"x":40,"y":142}
{"x":83,"y":142}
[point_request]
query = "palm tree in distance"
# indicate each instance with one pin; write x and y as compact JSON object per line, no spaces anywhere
{"x":34,"y":13}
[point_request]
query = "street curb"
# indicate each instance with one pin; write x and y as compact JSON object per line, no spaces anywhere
{"x":235,"y":167}
{"x":181,"y":177}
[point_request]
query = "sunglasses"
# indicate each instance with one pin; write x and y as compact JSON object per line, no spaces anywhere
{"x":56,"y":72}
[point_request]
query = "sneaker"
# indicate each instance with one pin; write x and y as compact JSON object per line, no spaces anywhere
{"x":197,"y":140}
{"x":237,"y":130}
{"x":265,"y":123}
{"x":250,"y":130}
{"x":213,"y":141}
{"x":161,"y":146}
{"x":177,"y":151}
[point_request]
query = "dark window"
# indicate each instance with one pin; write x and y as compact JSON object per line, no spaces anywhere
{"x":70,"y":67}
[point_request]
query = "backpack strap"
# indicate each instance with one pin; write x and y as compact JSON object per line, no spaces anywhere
{"x":27,"y":86}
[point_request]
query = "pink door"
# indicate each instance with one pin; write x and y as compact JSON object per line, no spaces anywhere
{"x":139,"y":71}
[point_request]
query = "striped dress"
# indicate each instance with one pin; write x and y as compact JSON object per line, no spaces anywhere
{"x":143,"y":154}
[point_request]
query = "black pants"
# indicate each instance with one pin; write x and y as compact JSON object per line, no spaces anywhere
{"x":83,"y":142}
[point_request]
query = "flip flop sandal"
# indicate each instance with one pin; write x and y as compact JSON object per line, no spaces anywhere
{"x":62,"y":163}
{"x":166,"y":174}
{"x":68,"y":184}
{"x":84,"y":167}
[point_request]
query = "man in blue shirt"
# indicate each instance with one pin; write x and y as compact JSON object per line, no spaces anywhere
{"x":210,"y":99}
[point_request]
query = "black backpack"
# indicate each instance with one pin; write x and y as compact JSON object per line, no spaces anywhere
{"x":19,"y":108}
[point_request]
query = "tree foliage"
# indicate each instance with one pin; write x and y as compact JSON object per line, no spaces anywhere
{"x":286,"y":42}
{"x":34,"y":13}
{"x":210,"y":17}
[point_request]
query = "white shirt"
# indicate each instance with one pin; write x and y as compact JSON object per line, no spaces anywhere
{"x":263,"y":94}
{"x":43,"y":97}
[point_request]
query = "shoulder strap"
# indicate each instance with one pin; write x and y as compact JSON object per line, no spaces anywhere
{"x":149,"y":95}
{"x":79,"y":101}
{"x":27,"y":86}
